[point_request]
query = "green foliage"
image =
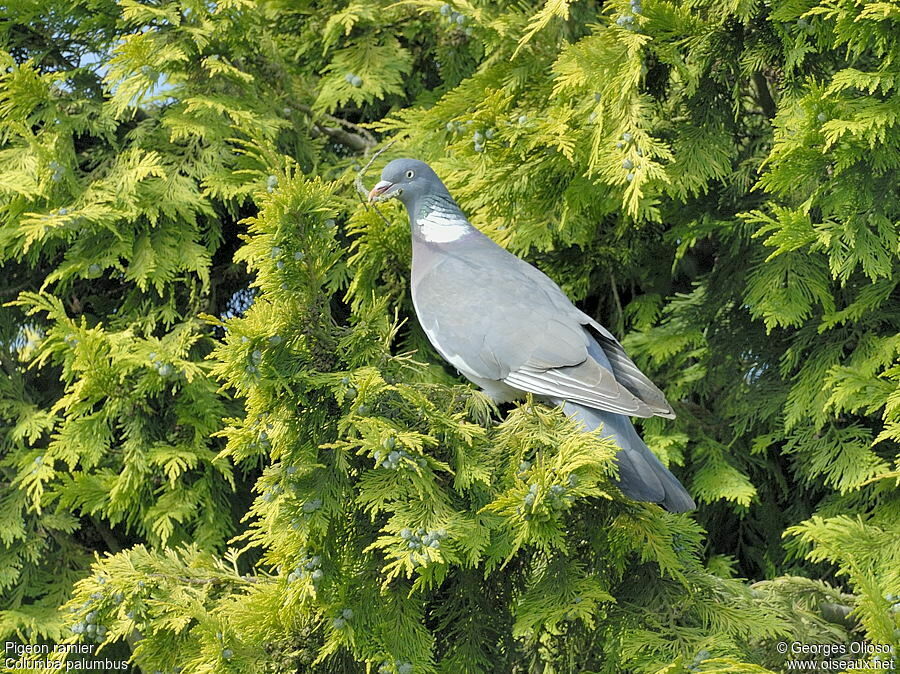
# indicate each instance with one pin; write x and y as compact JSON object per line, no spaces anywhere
{"x":226,"y":443}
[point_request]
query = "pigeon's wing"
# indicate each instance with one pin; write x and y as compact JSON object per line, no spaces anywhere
{"x":495,"y":317}
{"x":627,"y":373}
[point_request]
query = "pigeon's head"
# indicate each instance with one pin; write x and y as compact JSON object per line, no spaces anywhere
{"x":407,"y":180}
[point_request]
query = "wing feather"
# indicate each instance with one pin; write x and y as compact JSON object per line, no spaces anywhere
{"x":498,"y":318}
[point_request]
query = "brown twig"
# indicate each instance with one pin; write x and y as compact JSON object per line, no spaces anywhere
{"x":361,"y":188}
{"x":620,"y":314}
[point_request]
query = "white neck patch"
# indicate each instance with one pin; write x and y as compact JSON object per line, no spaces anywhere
{"x":441,"y":227}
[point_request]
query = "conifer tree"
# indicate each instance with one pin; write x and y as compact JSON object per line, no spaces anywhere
{"x":225,"y":443}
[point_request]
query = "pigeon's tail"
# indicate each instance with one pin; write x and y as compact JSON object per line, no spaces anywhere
{"x":642,"y":476}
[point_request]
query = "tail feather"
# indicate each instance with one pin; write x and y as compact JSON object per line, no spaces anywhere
{"x":642,"y":476}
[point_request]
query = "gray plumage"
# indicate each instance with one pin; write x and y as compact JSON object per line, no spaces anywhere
{"x":509,"y":328}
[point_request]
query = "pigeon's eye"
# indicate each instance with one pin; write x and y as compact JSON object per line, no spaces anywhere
{"x":410,"y":174}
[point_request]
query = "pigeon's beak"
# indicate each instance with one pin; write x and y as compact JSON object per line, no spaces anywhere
{"x":379,"y":190}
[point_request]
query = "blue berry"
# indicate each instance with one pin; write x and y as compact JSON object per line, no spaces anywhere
{"x":628,"y":164}
{"x":629,"y":177}
{"x":356,"y":81}
{"x":347,"y":613}
{"x":626,"y":137}
{"x":445,"y":9}
{"x":349,"y":77}
{"x":312,"y":506}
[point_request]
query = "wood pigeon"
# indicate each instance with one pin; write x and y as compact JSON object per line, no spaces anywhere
{"x":508,"y":328}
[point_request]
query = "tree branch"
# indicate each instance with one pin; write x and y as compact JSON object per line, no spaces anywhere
{"x":357,"y":138}
{"x":764,"y":95}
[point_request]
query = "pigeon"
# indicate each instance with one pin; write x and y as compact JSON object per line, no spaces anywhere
{"x":509,"y":329}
